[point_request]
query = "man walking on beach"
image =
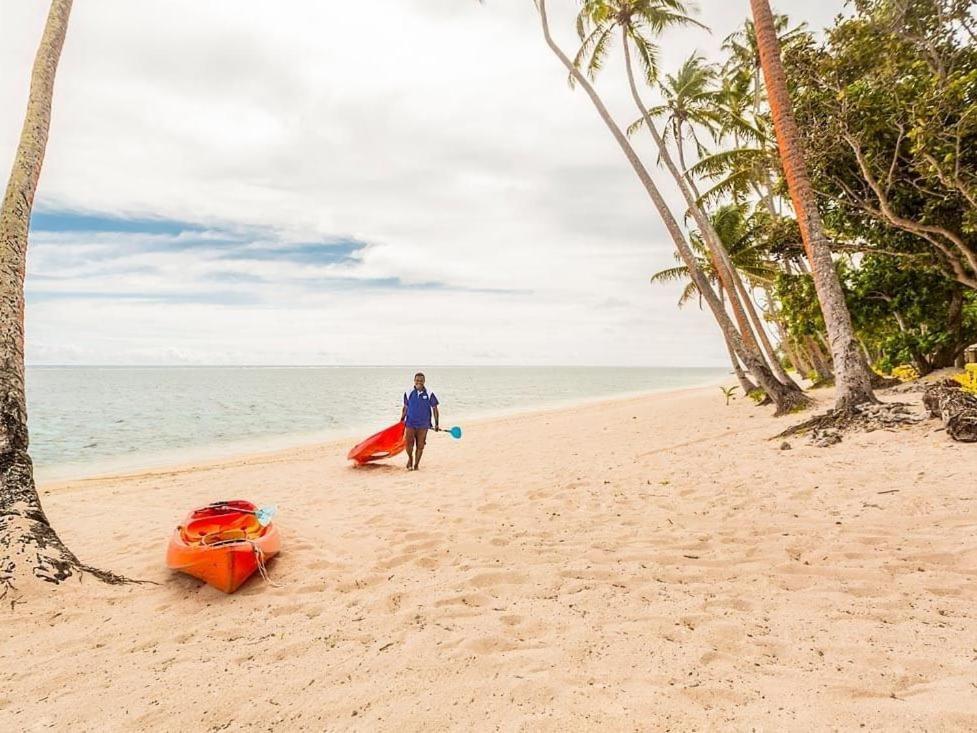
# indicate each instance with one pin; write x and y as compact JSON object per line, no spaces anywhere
{"x":419,"y":405}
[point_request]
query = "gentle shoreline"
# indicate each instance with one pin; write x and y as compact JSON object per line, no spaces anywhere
{"x":640,"y":564}
{"x":184,"y":459}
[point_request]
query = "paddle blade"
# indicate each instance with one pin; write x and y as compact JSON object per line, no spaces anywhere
{"x":266,"y":514}
{"x":455,"y":432}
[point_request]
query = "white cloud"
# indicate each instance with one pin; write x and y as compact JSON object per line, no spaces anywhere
{"x":440,"y":133}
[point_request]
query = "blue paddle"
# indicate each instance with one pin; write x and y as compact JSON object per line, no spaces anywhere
{"x":454,"y":432}
{"x":265,"y":514}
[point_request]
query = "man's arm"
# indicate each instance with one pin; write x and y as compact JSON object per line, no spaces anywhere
{"x":403,"y":412}
{"x":436,"y":418}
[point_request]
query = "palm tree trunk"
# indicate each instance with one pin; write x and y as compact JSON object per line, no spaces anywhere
{"x":777,"y":367}
{"x":787,"y":400}
{"x":799,"y":362}
{"x":819,"y":359}
{"x":738,"y":297}
{"x":727,"y":273}
{"x":744,"y":296}
{"x":745,"y":384}
{"x":30,"y":549}
{"x":852,"y":375}
{"x":797,"y":359}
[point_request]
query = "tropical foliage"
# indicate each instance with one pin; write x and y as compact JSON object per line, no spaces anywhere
{"x":885,"y":105}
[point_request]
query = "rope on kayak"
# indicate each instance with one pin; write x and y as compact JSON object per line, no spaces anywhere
{"x":259,"y":556}
{"x":230,"y":508}
{"x":264,"y":513}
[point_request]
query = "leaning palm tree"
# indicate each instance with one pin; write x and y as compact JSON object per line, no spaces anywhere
{"x":748,"y":165}
{"x":639,"y":23}
{"x":785,"y":398}
{"x":852,"y":376}
{"x":693,"y":101}
{"x":707,"y":264}
{"x":30,"y":549}
{"x":690,"y":105}
{"x":689,"y":291}
{"x":749,"y":257}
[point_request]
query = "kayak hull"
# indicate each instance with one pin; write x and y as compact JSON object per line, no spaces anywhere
{"x":221,"y":544}
{"x":385,"y":444}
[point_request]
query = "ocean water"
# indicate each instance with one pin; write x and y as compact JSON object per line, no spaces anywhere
{"x":89,"y":420}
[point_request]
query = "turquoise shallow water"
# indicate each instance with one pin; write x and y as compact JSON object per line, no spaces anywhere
{"x":87,"y":420}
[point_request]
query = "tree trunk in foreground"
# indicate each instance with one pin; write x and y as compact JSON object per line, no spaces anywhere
{"x":29,"y":547}
{"x":851,"y":372}
{"x":787,"y":400}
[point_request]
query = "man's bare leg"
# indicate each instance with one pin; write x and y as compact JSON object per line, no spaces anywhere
{"x":421,"y":440}
{"x":409,"y":437}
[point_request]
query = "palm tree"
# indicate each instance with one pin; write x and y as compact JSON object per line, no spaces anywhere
{"x":681,"y":273}
{"x":743,"y":54}
{"x":750,"y":164}
{"x":707,"y":263}
{"x":748,"y":254}
{"x":851,"y":371}
{"x":785,"y":398}
{"x":691,"y":103}
{"x":639,"y":21}
{"x":30,"y":549}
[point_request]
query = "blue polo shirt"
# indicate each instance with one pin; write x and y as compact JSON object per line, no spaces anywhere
{"x":419,"y":404}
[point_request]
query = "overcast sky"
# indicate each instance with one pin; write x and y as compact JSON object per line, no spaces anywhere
{"x":307,"y":182}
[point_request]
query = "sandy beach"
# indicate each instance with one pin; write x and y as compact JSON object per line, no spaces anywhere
{"x":652,"y":563}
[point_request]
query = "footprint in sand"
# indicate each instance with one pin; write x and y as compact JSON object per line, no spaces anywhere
{"x":464,"y":599}
{"x":286,"y":610}
{"x":492,"y":579}
{"x":393,"y":562}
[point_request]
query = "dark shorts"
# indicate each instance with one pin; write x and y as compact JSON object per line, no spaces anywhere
{"x":416,"y":436}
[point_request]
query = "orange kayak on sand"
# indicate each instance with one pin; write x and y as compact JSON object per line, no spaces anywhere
{"x":223,"y":544}
{"x":381,"y":445}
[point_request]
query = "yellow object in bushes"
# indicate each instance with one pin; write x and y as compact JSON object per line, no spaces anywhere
{"x":905,"y":373}
{"x":968,"y":379}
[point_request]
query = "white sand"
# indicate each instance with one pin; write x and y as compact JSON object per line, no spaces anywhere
{"x":647,"y":564}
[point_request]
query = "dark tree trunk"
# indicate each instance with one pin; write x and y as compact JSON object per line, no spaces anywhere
{"x":30,"y":549}
{"x":949,"y":354}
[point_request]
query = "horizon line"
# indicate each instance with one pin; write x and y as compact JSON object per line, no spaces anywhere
{"x":374,"y":366}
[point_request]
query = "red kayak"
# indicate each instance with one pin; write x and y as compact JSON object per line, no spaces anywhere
{"x":223,"y":544}
{"x":382,"y":445}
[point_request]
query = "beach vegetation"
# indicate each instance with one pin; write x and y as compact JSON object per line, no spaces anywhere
{"x":638,"y":25}
{"x":968,"y":379}
{"x":829,"y":186}
{"x":905,"y":373}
